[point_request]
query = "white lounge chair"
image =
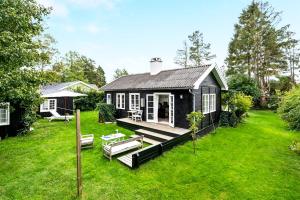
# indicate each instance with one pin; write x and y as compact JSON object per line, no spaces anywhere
{"x":87,"y":141}
{"x":57,"y":116}
{"x":138,"y":115}
{"x":122,"y":146}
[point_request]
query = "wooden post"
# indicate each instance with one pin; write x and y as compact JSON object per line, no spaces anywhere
{"x":78,"y":151}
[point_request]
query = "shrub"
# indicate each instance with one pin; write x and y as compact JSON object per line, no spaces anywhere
{"x":289,"y":108}
{"x":295,"y":146}
{"x":242,"y":83}
{"x":241,"y":103}
{"x":106,"y":112}
{"x":89,"y":102}
{"x":237,"y":105}
{"x":273,"y":102}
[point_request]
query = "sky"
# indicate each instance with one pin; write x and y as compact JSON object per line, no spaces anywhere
{"x":128,"y":33}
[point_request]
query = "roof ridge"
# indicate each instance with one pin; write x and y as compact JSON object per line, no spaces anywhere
{"x":206,"y":65}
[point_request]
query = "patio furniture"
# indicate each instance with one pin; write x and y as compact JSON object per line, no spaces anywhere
{"x":131,"y":113}
{"x":138,"y":115}
{"x":107,"y":139}
{"x":112,"y":149}
{"x":57,"y":116}
{"x":87,"y":141}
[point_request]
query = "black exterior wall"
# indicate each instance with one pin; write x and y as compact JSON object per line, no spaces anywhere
{"x":183,"y":106}
{"x":61,"y":101}
{"x":208,"y":86}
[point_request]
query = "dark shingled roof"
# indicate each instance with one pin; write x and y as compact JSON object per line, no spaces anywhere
{"x":183,"y":78}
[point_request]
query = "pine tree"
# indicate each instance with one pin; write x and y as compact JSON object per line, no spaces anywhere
{"x":199,"y":50}
{"x":257,"y":47}
{"x":182,"y":56}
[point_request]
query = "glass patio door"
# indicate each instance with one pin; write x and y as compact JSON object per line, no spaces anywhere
{"x":152,"y":108}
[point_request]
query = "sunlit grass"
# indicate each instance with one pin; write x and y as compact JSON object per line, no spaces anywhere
{"x":249,"y":162}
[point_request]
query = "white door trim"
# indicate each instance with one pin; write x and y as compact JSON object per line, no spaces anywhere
{"x":172,"y":110}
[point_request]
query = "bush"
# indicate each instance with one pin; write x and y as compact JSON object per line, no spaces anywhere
{"x":89,"y":102}
{"x":273,"y":102}
{"x":295,"y":146}
{"x":242,"y":83}
{"x":106,"y":112}
{"x":241,"y":103}
{"x":237,"y":105}
{"x":289,"y":108}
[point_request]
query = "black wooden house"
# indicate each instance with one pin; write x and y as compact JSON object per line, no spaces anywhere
{"x":167,"y":96}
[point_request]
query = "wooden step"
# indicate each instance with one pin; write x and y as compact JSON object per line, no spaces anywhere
{"x":127,"y":159}
{"x":147,"y":140}
{"x":152,"y":135}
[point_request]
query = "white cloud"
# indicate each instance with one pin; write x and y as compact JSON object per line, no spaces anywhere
{"x":108,"y":4}
{"x":94,"y":29}
{"x":58,"y":9}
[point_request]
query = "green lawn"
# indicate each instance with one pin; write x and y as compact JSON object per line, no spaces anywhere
{"x":249,"y":162}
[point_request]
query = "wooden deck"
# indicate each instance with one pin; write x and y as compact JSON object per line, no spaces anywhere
{"x":155,"y":126}
{"x":154,"y":134}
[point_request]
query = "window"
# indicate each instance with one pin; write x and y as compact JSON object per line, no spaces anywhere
{"x":134,"y":101}
{"x":120,"y":100}
{"x":212,"y":102}
{"x":205,"y":103}
{"x":4,"y":114}
{"x":108,"y":98}
{"x":208,"y":103}
{"x":49,"y":104}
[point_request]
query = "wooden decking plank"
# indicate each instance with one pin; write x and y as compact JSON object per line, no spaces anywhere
{"x":147,"y":140}
{"x":158,"y":135}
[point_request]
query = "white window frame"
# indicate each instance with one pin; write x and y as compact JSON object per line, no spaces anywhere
{"x":47,"y":102}
{"x":108,"y":98}
{"x":205,"y":103}
{"x":208,"y":103}
{"x":120,"y":101}
{"x":135,"y":105}
{"x":212,"y":102}
{"x":7,"y":113}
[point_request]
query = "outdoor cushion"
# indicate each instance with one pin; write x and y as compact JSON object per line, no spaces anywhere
{"x":122,"y":147}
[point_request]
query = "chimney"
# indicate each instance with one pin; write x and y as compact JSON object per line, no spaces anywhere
{"x":155,"y":66}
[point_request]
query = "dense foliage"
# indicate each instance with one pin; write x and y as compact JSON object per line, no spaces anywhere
{"x":74,"y":66}
{"x":289,"y":108}
{"x":237,"y":104}
{"x":89,"y":102}
{"x":106,"y":112}
{"x":242,"y":83}
{"x":21,"y":49}
{"x":259,"y":47}
{"x":120,"y":72}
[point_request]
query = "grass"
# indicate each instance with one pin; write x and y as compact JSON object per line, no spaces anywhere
{"x":249,"y":162}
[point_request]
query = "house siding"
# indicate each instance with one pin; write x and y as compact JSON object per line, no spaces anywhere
{"x":60,"y":103}
{"x":208,"y":86}
{"x":182,"y":106}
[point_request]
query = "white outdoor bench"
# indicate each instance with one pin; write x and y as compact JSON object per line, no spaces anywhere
{"x":87,"y":141}
{"x":112,"y":149}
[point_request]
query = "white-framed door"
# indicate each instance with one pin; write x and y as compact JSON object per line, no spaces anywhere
{"x":152,"y":101}
{"x":171,"y":110}
{"x":150,"y":108}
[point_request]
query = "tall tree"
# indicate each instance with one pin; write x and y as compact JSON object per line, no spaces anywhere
{"x":74,"y":66}
{"x":120,"y":72}
{"x":292,"y":52}
{"x":21,"y":44}
{"x":257,"y":47}
{"x":182,"y":56}
{"x":199,"y":51}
